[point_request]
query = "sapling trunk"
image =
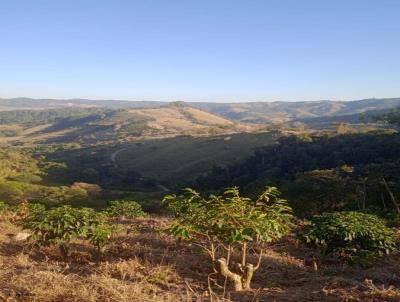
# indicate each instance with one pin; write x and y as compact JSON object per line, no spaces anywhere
{"x":64,"y":249}
{"x":244,"y":254}
{"x":240,"y":281}
{"x":236,"y":279}
{"x":99,"y":252}
{"x":248,"y":276}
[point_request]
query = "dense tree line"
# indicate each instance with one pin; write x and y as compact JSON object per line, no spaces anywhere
{"x":21,"y":179}
{"x":321,"y":172}
{"x":392,"y":117}
{"x":50,"y":116}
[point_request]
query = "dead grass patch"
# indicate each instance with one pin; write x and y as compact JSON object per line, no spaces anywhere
{"x":146,"y":264}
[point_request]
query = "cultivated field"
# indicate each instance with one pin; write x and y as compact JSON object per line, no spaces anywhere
{"x":144,"y":263}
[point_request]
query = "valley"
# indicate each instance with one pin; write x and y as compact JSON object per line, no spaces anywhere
{"x":199,"y":151}
{"x":145,"y":147}
{"x":270,"y":173}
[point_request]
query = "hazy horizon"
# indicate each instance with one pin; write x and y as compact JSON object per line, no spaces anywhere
{"x":201,"y":100}
{"x":190,"y":101}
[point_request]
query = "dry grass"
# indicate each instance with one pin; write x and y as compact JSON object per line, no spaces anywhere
{"x":145,"y":264}
{"x":182,"y":118}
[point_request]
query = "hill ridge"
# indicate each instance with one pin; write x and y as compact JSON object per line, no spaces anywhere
{"x":249,"y":112}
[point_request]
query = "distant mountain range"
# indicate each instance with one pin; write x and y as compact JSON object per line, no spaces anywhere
{"x":245,"y":112}
{"x":278,"y":112}
{"x":99,"y":124}
{"x":41,"y":104}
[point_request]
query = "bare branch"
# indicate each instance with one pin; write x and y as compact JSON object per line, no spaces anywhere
{"x":259,"y":260}
{"x":244,"y":254}
{"x":392,"y":197}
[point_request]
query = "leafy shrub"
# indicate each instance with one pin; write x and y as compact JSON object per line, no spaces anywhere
{"x":10,"y":191}
{"x":4,"y":207}
{"x":6,"y":211}
{"x":16,"y":213}
{"x":229,"y":222}
{"x":54,"y":196}
{"x":125,"y":209}
{"x":99,"y":235}
{"x":352,"y":236}
{"x":58,"y":226}
{"x":25,"y":211}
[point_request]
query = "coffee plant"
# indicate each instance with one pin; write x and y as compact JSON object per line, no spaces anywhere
{"x":228,"y":223}
{"x":125,"y":209}
{"x":352,"y":236}
{"x":5,"y":211}
{"x":58,"y":226}
{"x":27,"y":210}
{"x":17,"y":213}
{"x":99,"y":235}
{"x":4,"y":207}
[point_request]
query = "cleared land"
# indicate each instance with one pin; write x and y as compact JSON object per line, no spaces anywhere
{"x":144,"y":263}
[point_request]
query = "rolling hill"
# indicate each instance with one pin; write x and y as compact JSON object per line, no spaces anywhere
{"x":280,"y":112}
{"x":181,"y":159}
{"x":247,"y":112}
{"x":152,"y":165}
{"x":100,"y":125}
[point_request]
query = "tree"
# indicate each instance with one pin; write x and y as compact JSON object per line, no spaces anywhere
{"x":228,"y":223}
{"x":392,"y":117}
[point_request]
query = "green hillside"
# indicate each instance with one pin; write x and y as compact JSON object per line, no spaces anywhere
{"x":145,"y":164}
{"x":183,"y":158}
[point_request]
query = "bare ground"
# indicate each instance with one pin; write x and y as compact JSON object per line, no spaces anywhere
{"x":143,"y":263}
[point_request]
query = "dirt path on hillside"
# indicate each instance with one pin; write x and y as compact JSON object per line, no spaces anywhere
{"x":113,"y":158}
{"x":114,"y":155}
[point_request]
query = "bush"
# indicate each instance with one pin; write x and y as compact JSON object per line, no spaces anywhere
{"x":5,"y":211}
{"x":125,"y":209}
{"x":58,"y":226}
{"x":25,"y":211}
{"x":352,"y":236}
{"x":10,"y":191}
{"x":4,"y":207}
{"x":222,"y":224}
{"x":16,"y":213}
{"x":99,"y":235}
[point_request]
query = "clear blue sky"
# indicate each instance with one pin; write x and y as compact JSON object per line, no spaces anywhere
{"x":200,"y":50}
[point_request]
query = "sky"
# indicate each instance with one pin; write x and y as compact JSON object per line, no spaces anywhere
{"x":203,"y":50}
